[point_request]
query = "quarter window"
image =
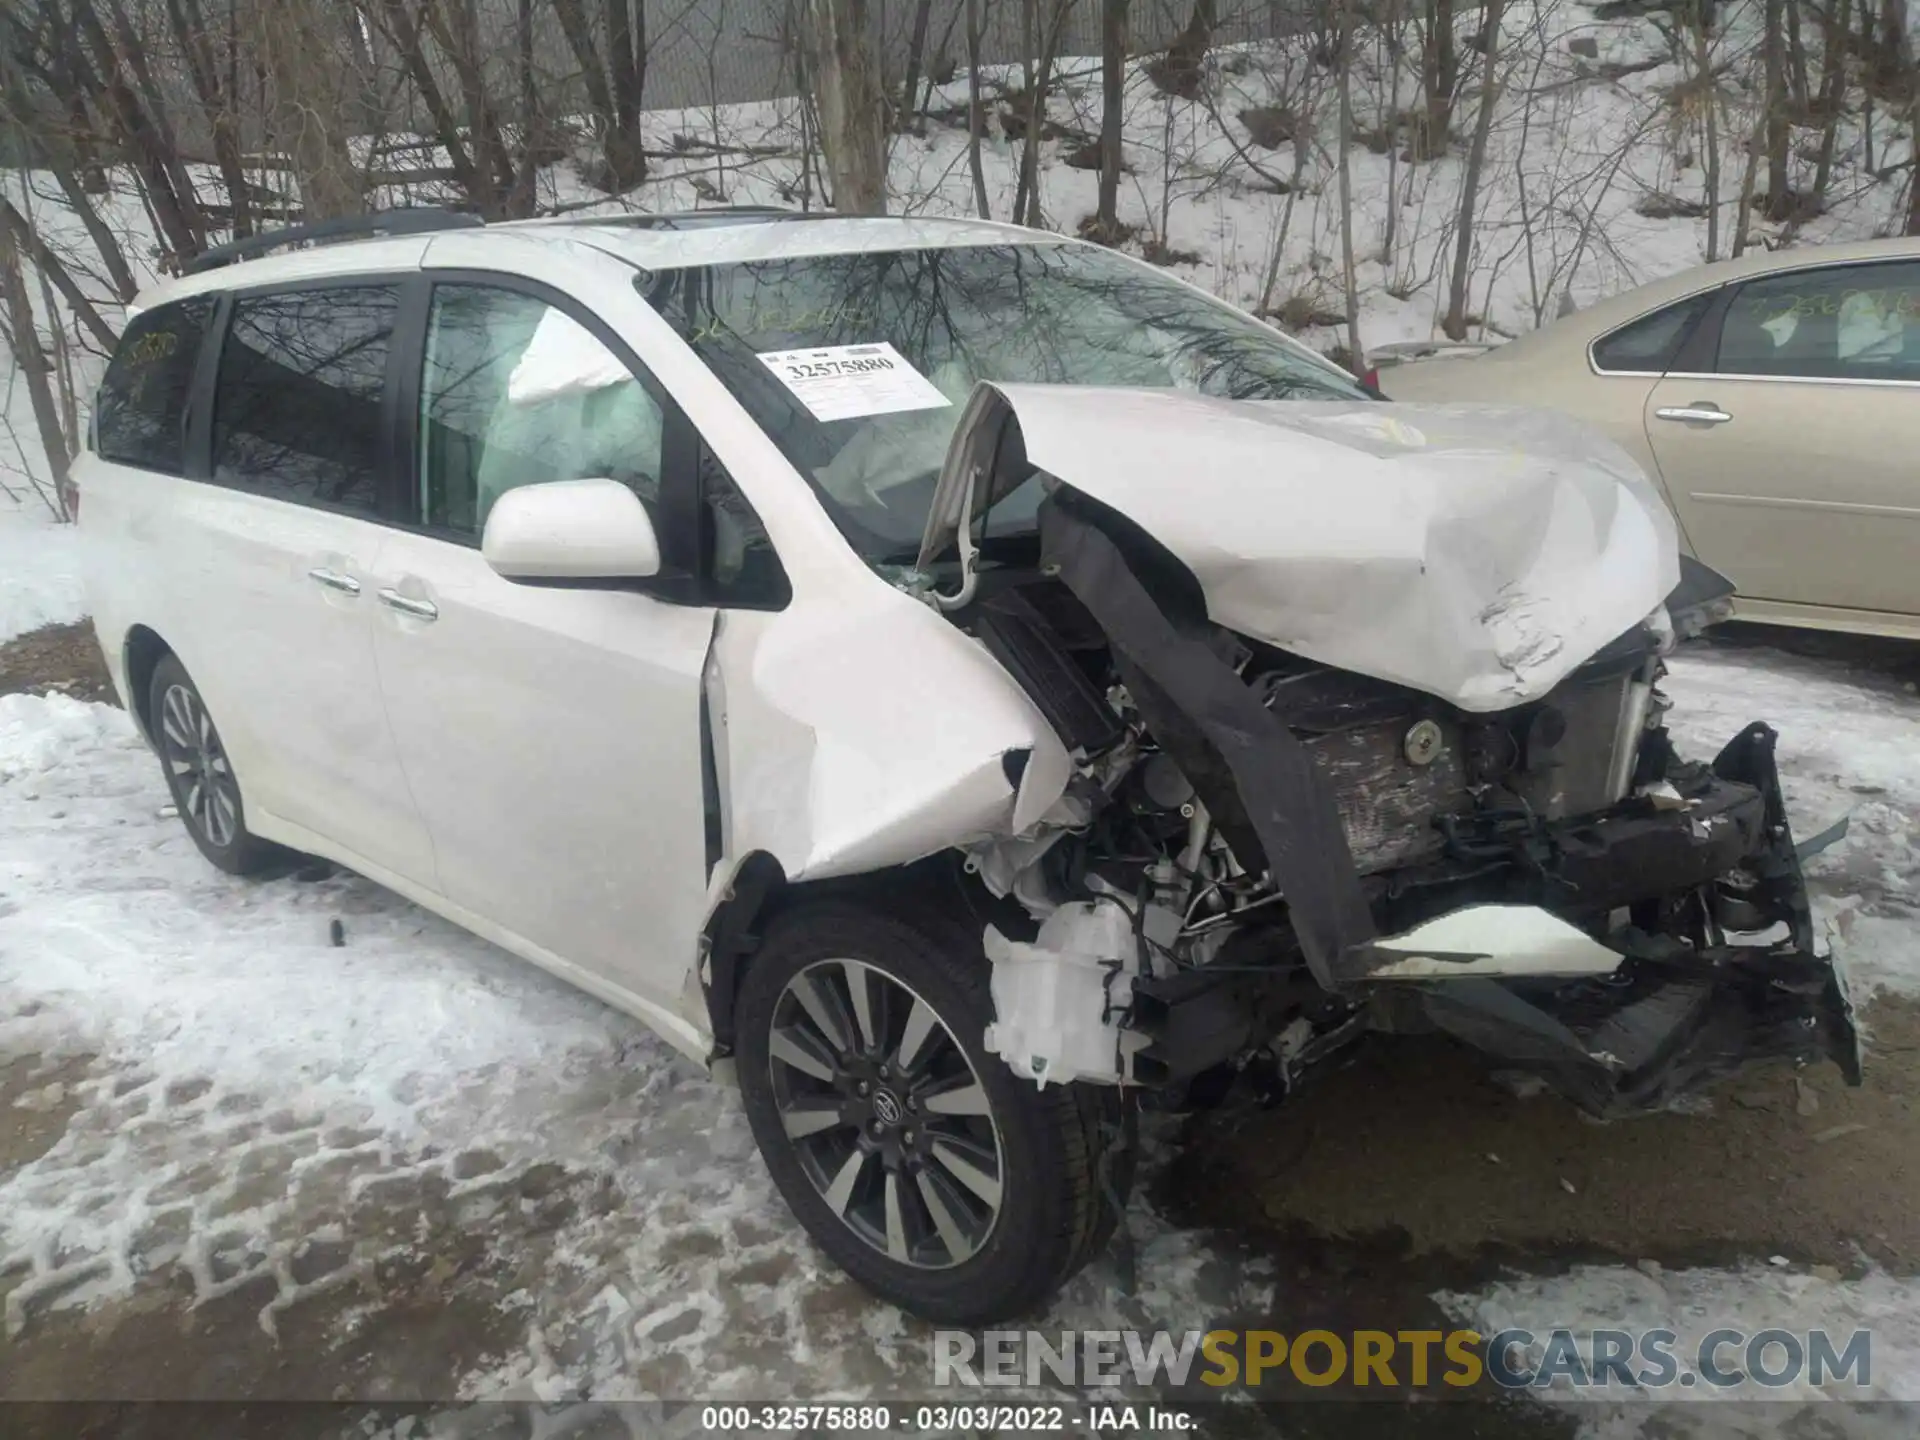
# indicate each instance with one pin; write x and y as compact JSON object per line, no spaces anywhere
{"x":141,"y":413}
{"x":1853,"y":322}
{"x":296,"y":414}
{"x":1650,"y":343}
{"x":517,"y":392}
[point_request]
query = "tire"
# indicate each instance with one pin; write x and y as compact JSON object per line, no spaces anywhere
{"x":206,"y":793}
{"x":1062,"y":1156}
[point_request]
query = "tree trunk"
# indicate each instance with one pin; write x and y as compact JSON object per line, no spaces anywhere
{"x":30,"y":357}
{"x":1779,"y":194}
{"x":1913,"y":175}
{"x":1797,"y":85}
{"x":190,"y":34}
{"x":1743,"y":214}
{"x":1026,"y":201}
{"x":21,"y":234}
{"x":1395,"y":43}
{"x":458,"y":35}
{"x":1455,"y":324}
{"x":1439,"y":76}
{"x":132,"y":54}
{"x":404,"y":32}
{"x":533,"y":126}
{"x":916,"y":58}
{"x":1113,"y":81}
{"x":1355,"y":362}
{"x":626,"y":59}
{"x":105,"y":242}
{"x":976,"y":111}
{"x":852,"y":106}
{"x":307,"y":119}
{"x":176,"y":215}
{"x":1703,"y":69}
{"x":1833,"y":73}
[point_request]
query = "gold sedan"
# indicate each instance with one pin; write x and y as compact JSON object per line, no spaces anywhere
{"x":1776,"y":398}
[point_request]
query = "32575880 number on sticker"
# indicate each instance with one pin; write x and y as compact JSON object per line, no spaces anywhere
{"x":849,"y":382}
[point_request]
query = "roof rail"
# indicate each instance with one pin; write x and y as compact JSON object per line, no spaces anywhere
{"x":412,"y":220}
{"x":708,"y":215}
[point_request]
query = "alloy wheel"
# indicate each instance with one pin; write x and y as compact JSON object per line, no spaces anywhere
{"x":886,"y":1114}
{"x":197,"y":767}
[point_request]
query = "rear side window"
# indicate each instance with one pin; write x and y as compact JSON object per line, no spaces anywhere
{"x":1651,"y":342}
{"x":296,"y":413}
{"x":1852,"y":322}
{"x":140,"y":418}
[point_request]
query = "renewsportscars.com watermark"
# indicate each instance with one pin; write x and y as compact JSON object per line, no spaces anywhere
{"x":1722,"y":1359}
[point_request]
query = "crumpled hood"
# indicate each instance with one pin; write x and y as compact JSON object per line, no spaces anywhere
{"x":1479,"y":553}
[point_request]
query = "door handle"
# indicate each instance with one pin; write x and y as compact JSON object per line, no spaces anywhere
{"x":407,"y":605}
{"x":1700,"y":412}
{"x":334,"y":580}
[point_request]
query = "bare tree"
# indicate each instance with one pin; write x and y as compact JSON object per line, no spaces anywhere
{"x":852,"y":105}
{"x":1351,"y":286}
{"x":1778,"y":135}
{"x":30,"y":360}
{"x":909,"y":103}
{"x":1113,"y":97}
{"x":1837,"y":27}
{"x":976,"y":108}
{"x":193,"y":39}
{"x":1439,"y":76}
{"x":1026,"y":192}
{"x":1455,"y":324}
{"x":613,"y":84}
{"x":301,"y":44}
{"x":1708,"y":88}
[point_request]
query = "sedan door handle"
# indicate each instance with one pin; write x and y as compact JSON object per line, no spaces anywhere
{"x":1700,"y":412}
{"x":334,"y":580}
{"x":407,"y":605}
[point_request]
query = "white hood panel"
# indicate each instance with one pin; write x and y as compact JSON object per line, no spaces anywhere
{"x":1478,"y":553}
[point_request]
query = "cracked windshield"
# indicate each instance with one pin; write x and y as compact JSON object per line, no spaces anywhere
{"x":858,"y":365}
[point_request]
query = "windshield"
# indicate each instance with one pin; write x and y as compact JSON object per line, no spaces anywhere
{"x":858,"y":365}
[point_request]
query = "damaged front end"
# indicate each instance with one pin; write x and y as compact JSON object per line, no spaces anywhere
{"x":1264,"y":854}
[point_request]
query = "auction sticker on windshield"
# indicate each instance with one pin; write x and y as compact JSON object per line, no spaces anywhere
{"x":845,"y":382}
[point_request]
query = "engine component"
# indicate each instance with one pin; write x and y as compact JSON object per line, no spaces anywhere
{"x":1060,"y":1003}
{"x":1423,"y":743}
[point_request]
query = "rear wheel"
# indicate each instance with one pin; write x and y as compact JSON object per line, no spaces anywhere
{"x":918,"y":1161}
{"x":205,"y":790}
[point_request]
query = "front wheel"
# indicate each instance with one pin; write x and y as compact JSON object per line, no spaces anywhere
{"x":918,"y":1161}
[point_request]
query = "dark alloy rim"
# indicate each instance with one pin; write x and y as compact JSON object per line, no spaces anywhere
{"x":886,"y":1114}
{"x":198,"y":768}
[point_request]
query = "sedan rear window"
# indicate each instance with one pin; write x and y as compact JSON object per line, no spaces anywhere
{"x":858,"y":365}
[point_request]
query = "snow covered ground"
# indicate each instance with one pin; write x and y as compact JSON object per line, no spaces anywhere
{"x":40,"y":581}
{"x":234,"y":1111}
{"x":252,"y":1096}
{"x":245,"y":1110}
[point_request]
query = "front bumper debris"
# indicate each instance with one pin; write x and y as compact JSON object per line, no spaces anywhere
{"x":1672,"y":1018}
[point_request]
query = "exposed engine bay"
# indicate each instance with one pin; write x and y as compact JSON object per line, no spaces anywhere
{"x":1261,"y":858}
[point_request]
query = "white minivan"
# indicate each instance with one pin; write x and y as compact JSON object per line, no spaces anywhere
{"x":956,"y":680}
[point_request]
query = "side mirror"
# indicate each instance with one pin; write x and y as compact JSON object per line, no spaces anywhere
{"x":571,"y":530}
